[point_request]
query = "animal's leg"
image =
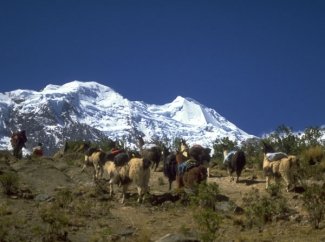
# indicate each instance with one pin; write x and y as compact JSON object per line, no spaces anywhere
{"x":111,"y":190}
{"x":277,"y":178}
{"x":238,"y":175}
{"x":180,"y":182}
{"x":85,"y":163}
{"x":140,"y":194}
{"x":208,"y":172}
{"x":286,"y":178}
{"x":267,"y":182}
{"x":155,"y":166}
{"x":95,"y":174}
{"x":100,"y":171}
{"x":124,"y":189}
{"x":170,"y":184}
{"x":230,"y":175}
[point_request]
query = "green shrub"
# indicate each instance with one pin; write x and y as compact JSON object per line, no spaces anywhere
{"x":206,"y":196}
{"x":312,"y":164}
{"x":314,"y":198}
{"x":9,"y":182}
{"x":4,"y":209}
{"x":314,"y":155}
{"x":204,"y":214}
{"x":4,"y":229}
{"x":56,"y":220}
{"x":275,"y":189}
{"x":63,"y":198}
{"x":260,"y":210}
{"x":208,"y":222}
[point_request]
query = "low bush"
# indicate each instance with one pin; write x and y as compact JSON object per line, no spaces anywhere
{"x":313,"y":198}
{"x":56,"y":221}
{"x":312,"y":164}
{"x":9,"y":182}
{"x":314,"y":155}
{"x":260,"y":210}
{"x":63,"y":198}
{"x":204,"y":214}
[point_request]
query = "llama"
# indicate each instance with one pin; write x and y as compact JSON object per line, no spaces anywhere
{"x":285,"y":167}
{"x":136,"y":171}
{"x":98,"y":158}
{"x":170,"y":168}
{"x":279,"y":164}
{"x":191,"y":170}
{"x":234,"y":162}
{"x":187,"y":165}
{"x":151,"y":152}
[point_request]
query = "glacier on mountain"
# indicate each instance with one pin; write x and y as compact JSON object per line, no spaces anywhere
{"x":92,"y":111}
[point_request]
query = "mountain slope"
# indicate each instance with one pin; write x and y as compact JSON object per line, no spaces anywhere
{"x":91,"y":111}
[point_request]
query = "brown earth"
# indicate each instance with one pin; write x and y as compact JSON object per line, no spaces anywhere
{"x":36,"y":210}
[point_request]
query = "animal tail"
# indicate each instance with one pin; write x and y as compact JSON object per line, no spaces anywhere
{"x":146,"y":163}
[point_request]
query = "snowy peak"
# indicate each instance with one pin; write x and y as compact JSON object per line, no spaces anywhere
{"x":92,"y":111}
{"x":189,"y":112}
{"x":91,"y":91}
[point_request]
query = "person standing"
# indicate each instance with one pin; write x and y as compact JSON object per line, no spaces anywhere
{"x":18,"y":141}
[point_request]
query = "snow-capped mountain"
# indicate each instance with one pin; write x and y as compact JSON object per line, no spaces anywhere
{"x":91,"y":111}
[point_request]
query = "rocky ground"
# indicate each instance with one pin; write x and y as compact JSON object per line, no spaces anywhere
{"x":54,"y":201}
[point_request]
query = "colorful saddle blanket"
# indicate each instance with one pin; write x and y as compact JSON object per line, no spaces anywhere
{"x":186,"y":165}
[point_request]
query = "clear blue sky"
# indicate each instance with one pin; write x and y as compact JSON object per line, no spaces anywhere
{"x":260,"y":64}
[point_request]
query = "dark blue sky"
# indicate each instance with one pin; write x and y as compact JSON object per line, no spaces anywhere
{"x":260,"y":64}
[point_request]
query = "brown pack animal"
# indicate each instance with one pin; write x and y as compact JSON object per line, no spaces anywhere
{"x":191,"y":166}
{"x":136,"y":171}
{"x":152,"y":153}
{"x":98,"y":158}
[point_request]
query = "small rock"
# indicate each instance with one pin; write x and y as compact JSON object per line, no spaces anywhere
{"x":43,"y":197}
{"x":177,"y":238}
{"x":238,"y":210}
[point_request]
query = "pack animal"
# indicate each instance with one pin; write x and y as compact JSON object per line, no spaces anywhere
{"x":279,"y":164}
{"x":286,"y":167}
{"x":187,"y":166}
{"x":234,"y":161}
{"x":136,"y":171}
{"x":151,"y":152}
{"x":170,"y":168}
{"x":98,"y":158}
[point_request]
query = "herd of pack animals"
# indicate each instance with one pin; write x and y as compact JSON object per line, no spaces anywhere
{"x":188,"y":166}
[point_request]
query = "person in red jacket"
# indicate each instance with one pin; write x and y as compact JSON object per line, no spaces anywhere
{"x":38,"y":150}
